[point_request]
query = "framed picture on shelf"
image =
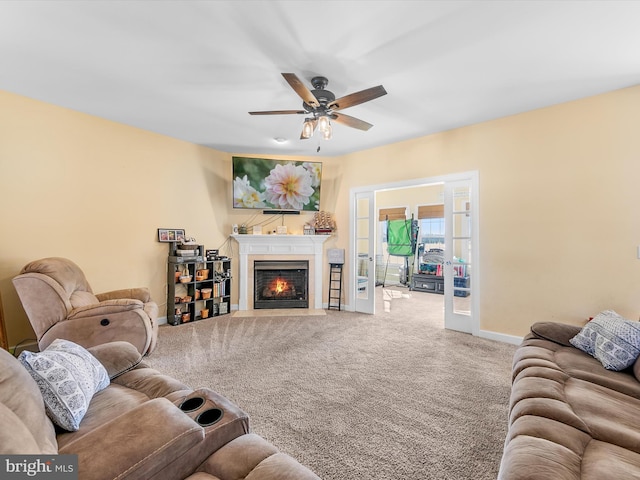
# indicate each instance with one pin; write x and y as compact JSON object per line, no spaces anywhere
{"x":166,"y":235}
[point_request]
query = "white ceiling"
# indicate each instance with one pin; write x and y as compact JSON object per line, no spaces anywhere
{"x":193,"y":69}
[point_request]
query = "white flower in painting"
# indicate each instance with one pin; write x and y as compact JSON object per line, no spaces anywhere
{"x":315,"y":169}
{"x":245,"y":196}
{"x":288,"y":186}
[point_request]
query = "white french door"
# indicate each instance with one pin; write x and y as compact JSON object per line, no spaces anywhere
{"x":459,"y":255}
{"x":364,"y":247}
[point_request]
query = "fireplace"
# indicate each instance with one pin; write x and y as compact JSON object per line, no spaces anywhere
{"x":279,"y":247}
{"x":281,"y":284}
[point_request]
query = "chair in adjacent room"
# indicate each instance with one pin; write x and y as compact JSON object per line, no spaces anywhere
{"x":60,"y":303}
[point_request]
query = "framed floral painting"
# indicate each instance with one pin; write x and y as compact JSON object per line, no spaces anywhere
{"x":286,"y":185}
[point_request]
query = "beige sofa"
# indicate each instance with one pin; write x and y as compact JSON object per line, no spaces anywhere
{"x":570,"y":418}
{"x":143,"y":425}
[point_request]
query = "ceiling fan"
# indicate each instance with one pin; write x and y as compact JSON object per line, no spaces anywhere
{"x":322,"y":106}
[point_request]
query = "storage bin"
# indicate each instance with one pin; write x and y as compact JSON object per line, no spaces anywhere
{"x":461,"y":282}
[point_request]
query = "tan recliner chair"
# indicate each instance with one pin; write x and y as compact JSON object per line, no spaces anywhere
{"x":60,"y":304}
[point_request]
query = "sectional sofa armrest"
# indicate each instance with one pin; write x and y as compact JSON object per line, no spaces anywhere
{"x":140,"y":293}
{"x":152,"y":383}
{"x":559,"y":333}
{"x":137,"y":444}
{"x":116,"y":357}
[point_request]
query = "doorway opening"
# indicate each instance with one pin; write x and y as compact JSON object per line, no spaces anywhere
{"x":457,"y":195}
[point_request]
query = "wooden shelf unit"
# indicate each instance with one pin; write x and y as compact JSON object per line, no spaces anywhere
{"x":185,"y":301}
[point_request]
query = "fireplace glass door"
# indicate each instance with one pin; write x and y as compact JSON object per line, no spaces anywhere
{"x":281,"y":284}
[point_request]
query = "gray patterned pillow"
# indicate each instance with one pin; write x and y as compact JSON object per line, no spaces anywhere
{"x":610,"y":338}
{"x":68,"y":376}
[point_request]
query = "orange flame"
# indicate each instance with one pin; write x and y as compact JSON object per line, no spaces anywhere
{"x":281,"y":285}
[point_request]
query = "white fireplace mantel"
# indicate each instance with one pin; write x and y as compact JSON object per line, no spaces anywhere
{"x":280,"y":245}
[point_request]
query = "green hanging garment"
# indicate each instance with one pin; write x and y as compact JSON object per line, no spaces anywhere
{"x":401,"y":237}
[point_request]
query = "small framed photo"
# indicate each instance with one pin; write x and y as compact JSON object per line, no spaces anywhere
{"x":166,"y":235}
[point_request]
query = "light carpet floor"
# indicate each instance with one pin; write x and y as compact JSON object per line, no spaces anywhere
{"x":353,"y":396}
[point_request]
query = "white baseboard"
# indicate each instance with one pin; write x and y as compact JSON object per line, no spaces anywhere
{"x":500,"y":337}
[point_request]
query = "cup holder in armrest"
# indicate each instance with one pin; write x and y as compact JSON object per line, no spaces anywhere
{"x":191,"y":404}
{"x":209,"y":417}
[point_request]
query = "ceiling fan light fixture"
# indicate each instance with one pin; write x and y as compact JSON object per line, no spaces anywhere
{"x":322,"y":104}
{"x":307,"y":128}
{"x":323,"y":123}
{"x":328,"y":132}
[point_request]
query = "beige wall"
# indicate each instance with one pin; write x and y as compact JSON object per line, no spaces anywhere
{"x":95,"y":191}
{"x":558,"y":202}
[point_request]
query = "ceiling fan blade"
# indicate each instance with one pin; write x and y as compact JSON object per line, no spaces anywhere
{"x":300,"y":88}
{"x":351,"y":121}
{"x":278,"y":112}
{"x":357,"y":98}
{"x":314,"y":122}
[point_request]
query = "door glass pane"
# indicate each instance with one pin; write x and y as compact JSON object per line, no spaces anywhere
{"x":363,"y":243}
{"x":363,"y":228}
{"x":362,"y":247}
{"x":462,"y":262}
{"x":362,"y":276}
{"x":462,"y":304}
{"x":362,"y":208}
